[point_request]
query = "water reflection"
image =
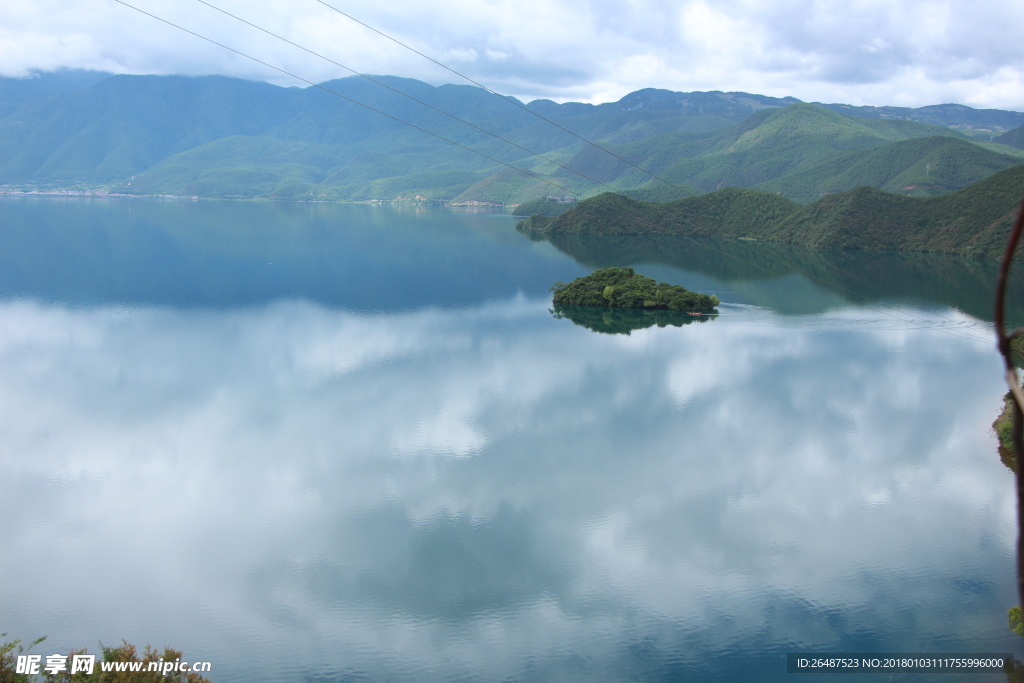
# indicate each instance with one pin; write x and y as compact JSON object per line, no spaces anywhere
{"x":738,"y":271}
{"x":623,"y":320}
{"x":223,"y":254}
{"x":365,"y":257}
{"x":302,"y":493}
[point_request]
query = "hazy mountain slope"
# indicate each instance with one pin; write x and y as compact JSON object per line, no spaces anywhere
{"x":240,"y":166}
{"x":767,"y":145}
{"x":261,"y":166}
{"x":919,"y":167}
{"x":1013,"y":138}
{"x":950,"y":115}
{"x":509,"y":187}
{"x":228,"y":137}
{"x":319,"y":115}
{"x":17,"y":91}
{"x":772,"y":144}
{"x":125,"y":124}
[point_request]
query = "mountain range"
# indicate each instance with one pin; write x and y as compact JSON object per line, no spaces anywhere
{"x":224,"y":137}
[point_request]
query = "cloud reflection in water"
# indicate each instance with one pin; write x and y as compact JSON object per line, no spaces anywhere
{"x":493,"y":492}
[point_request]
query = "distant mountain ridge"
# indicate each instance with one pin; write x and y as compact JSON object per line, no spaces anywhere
{"x":1013,"y":138}
{"x":226,"y":137}
{"x":958,"y":116}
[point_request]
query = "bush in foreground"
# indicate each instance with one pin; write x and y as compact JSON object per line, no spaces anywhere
{"x":125,"y":652}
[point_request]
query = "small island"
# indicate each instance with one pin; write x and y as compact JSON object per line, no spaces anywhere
{"x":624,"y":288}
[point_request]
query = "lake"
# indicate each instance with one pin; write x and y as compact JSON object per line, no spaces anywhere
{"x":318,"y":442}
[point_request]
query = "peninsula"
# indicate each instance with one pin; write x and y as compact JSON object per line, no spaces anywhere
{"x":973,"y":221}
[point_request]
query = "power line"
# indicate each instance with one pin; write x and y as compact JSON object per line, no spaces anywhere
{"x":354,"y":101}
{"x":414,"y":99}
{"x":507,"y":99}
{"x":440,"y":137}
{"x":527,"y":109}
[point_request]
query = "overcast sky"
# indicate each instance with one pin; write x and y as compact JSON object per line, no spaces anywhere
{"x":909,"y":53}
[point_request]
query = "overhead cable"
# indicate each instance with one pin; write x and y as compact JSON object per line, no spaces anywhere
{"x":352,"y":100}
{"x":508,"y":99}
{"x":525,"y":172}
{"x":414,"y":99}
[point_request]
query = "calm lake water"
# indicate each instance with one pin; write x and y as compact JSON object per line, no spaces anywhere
{"x":352,"y":443}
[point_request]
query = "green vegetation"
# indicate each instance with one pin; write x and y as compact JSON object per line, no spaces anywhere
{"x":836,"y":275}
{"x":125,"y":652}
{"x":732,"y":212}
{"x":9,"y":651}
{"x":972,"y":221}
{"x":1016,"y":618}
{"x":259,"y":166}
{"x":543,"y":207}
{"x":624,"y":288}
{"x":922,"y":167}
{"x":660,"y":192}
{"x":775,"y":143}
{"x":1003,"y":425}
{"x":224,"y":137}
{"x":1012,"y":138}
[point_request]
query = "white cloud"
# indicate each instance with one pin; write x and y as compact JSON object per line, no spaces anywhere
{"x":870,"y":52}
{"x":286,"y":472}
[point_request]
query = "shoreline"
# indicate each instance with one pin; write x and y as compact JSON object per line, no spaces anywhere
{"x":103,"y":194}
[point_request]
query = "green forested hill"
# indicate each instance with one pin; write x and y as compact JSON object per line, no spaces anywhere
{"x":804,"y":151}
{"x":625,"y":288}
{"x":921,"y":167}
{"x":262,"y":166}
{"x":974,"y":220}
{"x":216,"y":136}
{"x":730,"y":212}
{"x":16,"y":91}
{"x":1012,"y":138}
{"x":548,"y":206}
{"x":774,"y":143}
{"x":125,"y":124}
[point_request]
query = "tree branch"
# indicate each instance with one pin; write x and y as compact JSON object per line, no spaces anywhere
{"x":1003,"y":343}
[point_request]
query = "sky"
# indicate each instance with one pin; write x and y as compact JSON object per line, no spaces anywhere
{"x":907,"y":53}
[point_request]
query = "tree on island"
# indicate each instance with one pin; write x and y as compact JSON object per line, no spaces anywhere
{"x":624,"y":288}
